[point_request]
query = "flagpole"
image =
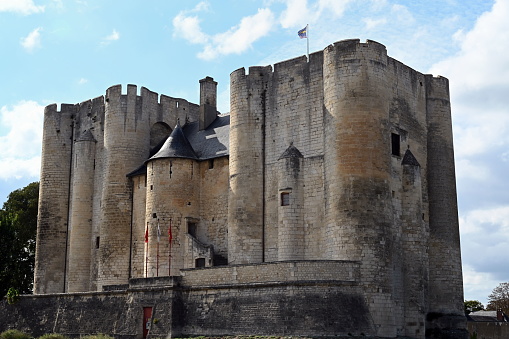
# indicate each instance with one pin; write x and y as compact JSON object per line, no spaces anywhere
{"x":146,"y":252}
{"x":307,"y":39}
{"x":157,"y":258}
{"x":170,"y":236}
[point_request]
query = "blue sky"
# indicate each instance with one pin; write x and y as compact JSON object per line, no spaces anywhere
{"x":67,"y":51}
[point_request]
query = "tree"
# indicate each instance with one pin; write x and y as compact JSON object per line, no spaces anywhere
{"x":473,"y":306}
{"x":18,"y":229}
{"x":499,"y":298}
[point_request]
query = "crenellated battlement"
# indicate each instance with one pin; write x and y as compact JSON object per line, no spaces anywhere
{"x":356,"y":232}
{"x":117,"y":91}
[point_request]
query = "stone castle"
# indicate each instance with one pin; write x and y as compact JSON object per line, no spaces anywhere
{"x":322,"y":204}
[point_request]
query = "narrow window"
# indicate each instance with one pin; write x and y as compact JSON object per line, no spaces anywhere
{"x":395,"y":141}
{"x":200,"y":262}
{"x":191,"y":229}
{"x":211,"y":163}
{"x":97,"y":242}
{"x":285,"y":199}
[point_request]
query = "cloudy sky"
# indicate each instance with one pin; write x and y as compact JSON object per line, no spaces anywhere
{"x":67,"y":51}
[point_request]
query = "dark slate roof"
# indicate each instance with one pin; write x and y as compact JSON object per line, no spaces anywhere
{"x":291,"y":152}
{"x":86,"y":136}
{"x":176,"y":146}
{"x":212,"y":142}
{"x":485,"y":316}
{"x":189,"y":142}
{"x":140,"y":170}
{"x":409,"y":159}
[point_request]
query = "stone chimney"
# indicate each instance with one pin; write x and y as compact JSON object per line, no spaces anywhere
{"x":500,"y":315}
{"x":208,"y":95}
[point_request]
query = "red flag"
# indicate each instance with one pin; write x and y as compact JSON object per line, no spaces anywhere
{"x":170,"y":236}
{"x":146,"y":234}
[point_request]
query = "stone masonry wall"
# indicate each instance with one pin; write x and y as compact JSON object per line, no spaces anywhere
{"x":115,"y":313}
{"x":122,"y":142}
{"x":213,"y":224}
{"x":139,"y":226}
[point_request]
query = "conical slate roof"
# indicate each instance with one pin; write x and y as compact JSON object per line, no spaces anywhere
{"x":176,"y":146}
{"x":409,"y":159}
{"x":291,"y":152}
{"x":87,"y":136}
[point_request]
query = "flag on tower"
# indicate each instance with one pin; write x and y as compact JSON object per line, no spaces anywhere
{"x":146,"y":234}
{"x":170,"y":236}
{"x":303,"y":33}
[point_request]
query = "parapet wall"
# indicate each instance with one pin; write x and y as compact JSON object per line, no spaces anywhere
{"x":288,"y":271}
{"x":313,"y":298}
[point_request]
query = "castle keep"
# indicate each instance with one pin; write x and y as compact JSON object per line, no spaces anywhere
{"x":322,"y":204}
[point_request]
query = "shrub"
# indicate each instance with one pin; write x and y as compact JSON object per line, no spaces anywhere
{"x":12,"y":296}
{"x":53,"y":336}
{"x":97,"y":336}
{"x":14,"y":334}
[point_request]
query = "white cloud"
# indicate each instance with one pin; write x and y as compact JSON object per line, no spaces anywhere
{"x":473,"y":221}
{"x":239,"y":38}
{"x":479,"y":76}
{"x":478,"y":285}
{"x":378,"y":4}
{"x":483,"y":58}
{"x":485,"y":243}
{"x":334,"y":7}
{"x":372,"y":23}
{"x":25,"y":7}
{"x":82,"y":81}
{"x":188,"y":27}
{"x":402,"y":14}
{"x":466,"y":169}
{"x":296,"y":14}
{"x":202,"y":6}
{"x":32,"y":41}
{"x":234,"y":41}
{"x":21,"y":146}
{"x":114,"y":36}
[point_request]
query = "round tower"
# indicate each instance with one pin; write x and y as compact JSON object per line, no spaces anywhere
{"x":172,"y":201}
{"x":52,"y":218}
{"x":245,"y":202}
{"x":80,"y":228}
{"x":358,"y":208}
{"x":445,"y":275}
{"x":126,"y":145}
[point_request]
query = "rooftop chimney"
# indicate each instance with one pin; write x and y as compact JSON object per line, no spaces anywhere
{"x":208,"y":94}
{"x":500,"y":315}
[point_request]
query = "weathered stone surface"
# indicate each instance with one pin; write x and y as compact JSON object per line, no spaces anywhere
{"x":304,"y":177}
